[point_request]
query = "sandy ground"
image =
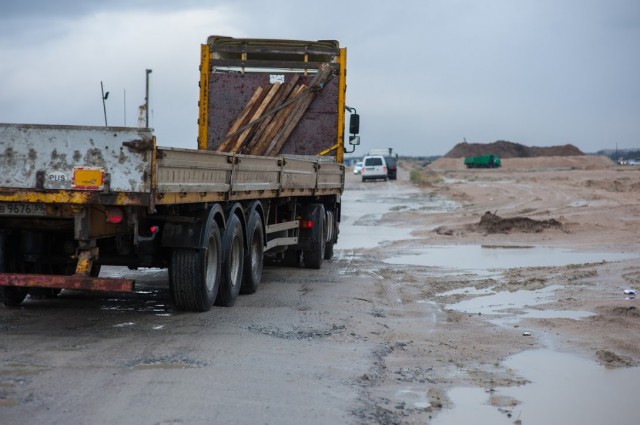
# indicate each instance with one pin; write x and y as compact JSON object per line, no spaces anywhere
{"x":380,"y":335}
{"x":596,"y":208}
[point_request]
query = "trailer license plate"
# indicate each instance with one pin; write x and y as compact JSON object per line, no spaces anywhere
{"x":22,"y":209}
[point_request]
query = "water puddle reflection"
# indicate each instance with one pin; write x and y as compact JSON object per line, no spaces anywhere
{"x":485,"y":258}
{"x":563,"y":389}
{"x":362,"y":211}
{"x":511,"y":307}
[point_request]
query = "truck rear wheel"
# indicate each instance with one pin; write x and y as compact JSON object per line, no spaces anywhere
{"x":254,"y":259}
{"x":314,"y":256}
{"x":194,"y":274}
{"x":331,"y":232}
{"x":232,"y":263}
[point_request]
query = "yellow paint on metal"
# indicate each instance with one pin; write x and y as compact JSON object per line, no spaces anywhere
{"x":342,"y":89}
{"x":83,"y":267}
{"x":328,"y":150}
{"x":203,"y":105}
{"x":72,"y":197}
{"x":88,"y":178}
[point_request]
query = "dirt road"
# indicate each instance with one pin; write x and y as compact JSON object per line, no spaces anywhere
{"x":423,"y":316}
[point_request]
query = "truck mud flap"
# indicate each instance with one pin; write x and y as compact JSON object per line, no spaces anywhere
{"x":67,"y":282}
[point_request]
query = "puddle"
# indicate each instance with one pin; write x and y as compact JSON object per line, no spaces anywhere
{"x":363,"y":209}
{"x":563,"y":389}
{"x":484,"y":258}
{"x":567,"y":388}
{"x":505,"y":302}
{"x":499,"y":302}
{"x":353,"y":237}
{"x":471,"y":406}
{"x":470,"y":290}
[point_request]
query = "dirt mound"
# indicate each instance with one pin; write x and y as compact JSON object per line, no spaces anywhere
{"x":611,"y":360}
{"x":505,"y":149}
{"x":492,"y":223}
{"x":581,"y":162}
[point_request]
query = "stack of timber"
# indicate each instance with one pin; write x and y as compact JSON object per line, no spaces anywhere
{"x":271,"y":115}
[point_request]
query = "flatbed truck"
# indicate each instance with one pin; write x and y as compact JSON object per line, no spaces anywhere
{"x":75,"y":198}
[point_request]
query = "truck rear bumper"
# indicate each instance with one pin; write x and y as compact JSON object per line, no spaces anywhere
{"x":67,"y":282}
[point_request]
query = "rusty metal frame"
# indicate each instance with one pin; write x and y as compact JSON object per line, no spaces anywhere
{"x":67,"y":282}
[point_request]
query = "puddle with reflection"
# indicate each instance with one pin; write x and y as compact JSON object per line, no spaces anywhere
{"x":353,"y":237}
{"x":563,"y":389}
{"x":498,"y":302}
{"x":567,"y":388}
{"x":471,"y":406}
{"x":485,"y":258}
{"x":362,"y":210}
{"x":504,"y":303}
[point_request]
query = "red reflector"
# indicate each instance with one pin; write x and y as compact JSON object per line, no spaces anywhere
{"x":306,"y":224}
{"x":114,"y":215}
{"x":154,"y":229}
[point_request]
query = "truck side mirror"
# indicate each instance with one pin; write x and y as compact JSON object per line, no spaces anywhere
{"x":354,"y":124}
{"x":354,"y":140}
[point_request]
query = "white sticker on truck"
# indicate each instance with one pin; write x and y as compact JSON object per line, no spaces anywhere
{"x":276,"y":78}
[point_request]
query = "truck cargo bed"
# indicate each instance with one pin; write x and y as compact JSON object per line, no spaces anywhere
{"x":123,"y":166}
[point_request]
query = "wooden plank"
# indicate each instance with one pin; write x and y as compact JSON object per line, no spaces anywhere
{"x":277,"y":102}
{"x":301,"y":107}
{"x":256,"y":115}
{"x":222,"y":147}
{"x":278,"y":123}
{"x":287,"y":128}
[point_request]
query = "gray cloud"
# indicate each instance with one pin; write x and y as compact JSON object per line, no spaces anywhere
{"x":423,"y":74}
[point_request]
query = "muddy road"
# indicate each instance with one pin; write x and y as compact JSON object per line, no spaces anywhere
{"x":423,"y":316}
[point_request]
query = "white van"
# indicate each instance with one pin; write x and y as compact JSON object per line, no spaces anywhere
{"x":374,"y":167}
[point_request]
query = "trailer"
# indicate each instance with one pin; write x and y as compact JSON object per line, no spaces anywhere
{"x":264,"y":184}
{"x":483,"y":161}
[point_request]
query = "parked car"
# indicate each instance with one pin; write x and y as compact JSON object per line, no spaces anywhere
{"x":392,"y":167}
{"x":373,"y":168}
{"x":357,"y":169}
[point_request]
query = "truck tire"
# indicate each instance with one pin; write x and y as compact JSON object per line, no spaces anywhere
{"x":232,"y":263}
{"x":314,"y":256}
{"x":331,"y":232}
{"x":254,"y":258}
{"x":328,"y":251}
{"x":194,"y":274}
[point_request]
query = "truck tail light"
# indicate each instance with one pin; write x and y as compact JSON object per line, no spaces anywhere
{"x":306,"y":224}
{"x":114,"y":215}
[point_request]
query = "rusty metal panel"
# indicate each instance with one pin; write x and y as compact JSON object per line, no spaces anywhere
{"x":229,"y":93}
{"x":67,"y":282}
{"x":44,"y":157}
{"x":184,"y":170}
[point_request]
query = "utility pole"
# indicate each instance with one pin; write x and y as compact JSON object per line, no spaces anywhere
{"x":104,"y":106}
{"x":146,"y":99}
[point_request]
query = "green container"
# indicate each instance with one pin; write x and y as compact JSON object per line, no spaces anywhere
{"x":482,"y":161}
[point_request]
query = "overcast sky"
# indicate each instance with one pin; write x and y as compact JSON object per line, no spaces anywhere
{"x":424,"y":74}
